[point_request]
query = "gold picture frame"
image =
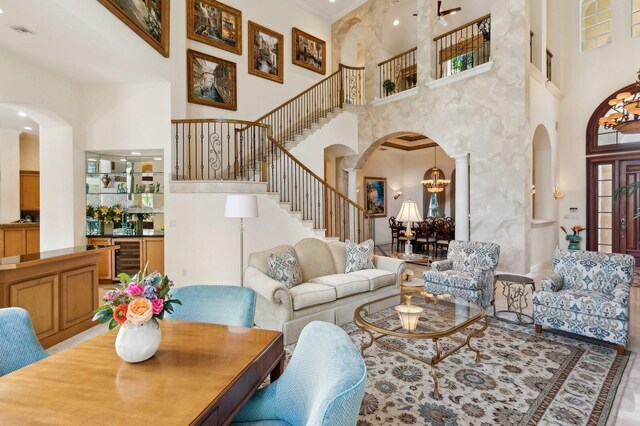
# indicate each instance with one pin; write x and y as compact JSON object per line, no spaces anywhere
{"x":211,"y":81}
{"x":223,"y":32}
{"x":151,"y":28}
{"x":266,"y":53}
{"x":308,"y":51}
{"x":375,"y":196}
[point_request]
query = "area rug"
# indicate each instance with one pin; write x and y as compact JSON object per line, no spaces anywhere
{"x":523,"y":379}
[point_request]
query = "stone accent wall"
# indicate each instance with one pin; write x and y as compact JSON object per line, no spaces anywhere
{"x":485,"y":116}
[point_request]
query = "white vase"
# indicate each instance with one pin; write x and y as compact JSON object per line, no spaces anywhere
{"x":137,"y":343}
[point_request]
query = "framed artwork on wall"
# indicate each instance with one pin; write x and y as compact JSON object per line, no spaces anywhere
{"x":266,"y":53}
{"x":375,"y":196}
{"x":211,"y":81}
{"x":215,"y":24}
{"x":308,"y":51}
{"x":149,"y":19}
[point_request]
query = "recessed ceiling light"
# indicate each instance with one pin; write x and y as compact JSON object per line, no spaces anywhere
{"x":332,"y":1}
{"x":135,"y":153}
{"x":157,"y":158}
{"x":28,"y":128}
{"x":22,"y":114}
{"x":1,"y":12}
{"x":396,"y":22}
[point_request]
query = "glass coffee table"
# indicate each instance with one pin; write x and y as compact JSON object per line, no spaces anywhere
{"x":423,"y":316}
{"x":415,"y":258}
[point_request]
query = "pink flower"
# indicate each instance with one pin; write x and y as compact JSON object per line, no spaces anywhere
{"x":110,"y":295}
{"x":135,"y":289}
{"x":157,"y":305}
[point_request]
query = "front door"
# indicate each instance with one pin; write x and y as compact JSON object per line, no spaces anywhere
{"x":628,"y":235}
{"x":611,"y":221}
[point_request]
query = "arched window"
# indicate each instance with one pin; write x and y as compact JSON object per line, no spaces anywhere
{"x":635,"y":18}
{"x":595,"y":23}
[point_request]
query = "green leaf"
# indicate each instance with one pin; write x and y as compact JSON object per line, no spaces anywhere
{"x":113,"y":324}
{"x":125,"y":278}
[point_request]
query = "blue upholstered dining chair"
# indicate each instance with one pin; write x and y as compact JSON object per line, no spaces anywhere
{"x":19,"y":345}
{"x":323,"y":384}
{"x":216,"y":304}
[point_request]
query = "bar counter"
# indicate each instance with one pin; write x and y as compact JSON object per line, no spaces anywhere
{"x":59,"y":288}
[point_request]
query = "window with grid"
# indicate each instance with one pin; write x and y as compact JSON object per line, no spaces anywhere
{"x":595,"y":23}
{"x":635,"y":18}
{"x":605,"y":207}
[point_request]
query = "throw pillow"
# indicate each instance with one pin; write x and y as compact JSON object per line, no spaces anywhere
{"x":285,"y":268}
{"x":359,"y":256}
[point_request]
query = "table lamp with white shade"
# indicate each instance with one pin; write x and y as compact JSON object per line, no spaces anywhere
{"x":242,"y":206}
{"x":409,"y":213}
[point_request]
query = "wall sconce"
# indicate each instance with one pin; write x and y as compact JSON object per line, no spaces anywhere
{"x":397,"y":195}
{"x":556,"y":193}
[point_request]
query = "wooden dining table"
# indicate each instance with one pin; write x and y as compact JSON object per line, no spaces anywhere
{"x":201,"y":374}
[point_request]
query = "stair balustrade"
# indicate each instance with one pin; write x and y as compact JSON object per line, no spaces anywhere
{"x":399,"y":73}
{"x":464,"y":47}
{"x":232,"y":150}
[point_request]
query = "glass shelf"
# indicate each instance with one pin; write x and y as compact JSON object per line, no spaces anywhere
{"x":124,"y":174}
{"x":124,"y":193}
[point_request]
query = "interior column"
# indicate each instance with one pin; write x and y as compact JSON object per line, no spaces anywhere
{"x":462,"y":197}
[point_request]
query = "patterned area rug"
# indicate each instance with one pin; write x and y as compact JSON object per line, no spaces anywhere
{"x":523,"y":379}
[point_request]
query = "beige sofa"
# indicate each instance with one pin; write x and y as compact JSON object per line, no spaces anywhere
{"x":326,"y":293}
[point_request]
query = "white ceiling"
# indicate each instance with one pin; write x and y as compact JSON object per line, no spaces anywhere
{"x":84,"y":51}
{"x":332,"y":11}
{"x":10,"y":120}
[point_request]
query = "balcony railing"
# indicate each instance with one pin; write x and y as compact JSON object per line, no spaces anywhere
{"x":398,"y":74}
{"x":464,"y":47}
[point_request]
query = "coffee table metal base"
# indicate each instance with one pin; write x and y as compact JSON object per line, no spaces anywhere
{"x":439,"y":356}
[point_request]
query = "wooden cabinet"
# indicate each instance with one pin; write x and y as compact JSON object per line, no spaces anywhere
{"x":131,"y":257}
{"x":29,"y":191}
{"x":153,"y":252}
{"x":19,"y":238}
{"x":39,"y":296}
{"x":105,"y":265}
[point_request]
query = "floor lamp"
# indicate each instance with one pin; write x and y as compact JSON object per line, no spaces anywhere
{"x":242,"y":206}
{"x":409,"y":213}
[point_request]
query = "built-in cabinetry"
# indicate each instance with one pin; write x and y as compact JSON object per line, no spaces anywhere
{"x":131,"y":256}
{"x":29,"y":191}
{"x":133,"y":184}
{"x":19,"y":238}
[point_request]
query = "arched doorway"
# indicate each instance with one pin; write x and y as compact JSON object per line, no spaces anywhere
{"x":613,"y":160}
{"x":542,"y":206}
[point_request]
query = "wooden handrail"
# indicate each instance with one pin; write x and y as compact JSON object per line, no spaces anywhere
{"x":461,"y":27}
{"x":397,"y":56}
{"x":306,"y":169}
{"x":219,"y":120}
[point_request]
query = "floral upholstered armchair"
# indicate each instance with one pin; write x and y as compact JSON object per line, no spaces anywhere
{"x":588,"y":294}
{"x":468,"y":272}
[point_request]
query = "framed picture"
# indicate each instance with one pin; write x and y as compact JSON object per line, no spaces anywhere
{"x":149,"y":19}
{"x":266,"y":53}
{"x":215,"y":24}
{"x":375,"y":196}
{"x":308,"y":51}
{"x":211,"y":81}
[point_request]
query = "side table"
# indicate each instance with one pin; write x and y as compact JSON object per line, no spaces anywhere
{"x":515,"y":290}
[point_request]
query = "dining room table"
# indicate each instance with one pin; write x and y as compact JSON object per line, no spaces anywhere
{"x":201,"y":374}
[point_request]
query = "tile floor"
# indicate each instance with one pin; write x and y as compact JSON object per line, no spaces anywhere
{"x":629,"y":410}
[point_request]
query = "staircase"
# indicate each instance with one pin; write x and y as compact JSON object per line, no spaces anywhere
{"x":258,"y":152}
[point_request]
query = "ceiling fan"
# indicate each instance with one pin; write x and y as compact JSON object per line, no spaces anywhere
{"x":443,"y":13}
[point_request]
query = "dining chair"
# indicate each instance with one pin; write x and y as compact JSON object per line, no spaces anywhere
{"x":19,"y":345}
{"x":394,"y":230}
{"x":422,"y":237}
{"x":322,"y":385}
{"x":216,"y":304}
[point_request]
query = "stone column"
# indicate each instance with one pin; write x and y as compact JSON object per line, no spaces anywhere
{"x":352,"y":184}
{"x":462,"y":197}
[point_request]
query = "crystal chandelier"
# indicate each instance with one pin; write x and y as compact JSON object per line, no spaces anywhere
{"x":624,"y":115}
{"x":435,"y":184}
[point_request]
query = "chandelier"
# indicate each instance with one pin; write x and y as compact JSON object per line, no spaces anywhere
{"x":435,"y":184}
{"x":624,"y":115}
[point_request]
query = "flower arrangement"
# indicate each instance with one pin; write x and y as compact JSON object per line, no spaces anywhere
{"x":137,"y":300}
{"x":105,"y":213}
{"x":576,"y":231}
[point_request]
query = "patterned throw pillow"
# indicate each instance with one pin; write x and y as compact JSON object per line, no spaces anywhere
{"x":359,"y":256}
{"x":285,"y":268}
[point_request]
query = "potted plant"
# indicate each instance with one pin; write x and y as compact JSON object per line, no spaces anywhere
{"x":389,"y":87}
{"x":574,"y":239}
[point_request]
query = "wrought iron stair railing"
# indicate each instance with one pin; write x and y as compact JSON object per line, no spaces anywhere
{"x":233,"y":150}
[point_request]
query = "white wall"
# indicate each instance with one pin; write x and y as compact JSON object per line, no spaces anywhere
{"x":29,"y":152}
{"x":9,"y":175}
{"x":203,"y":247}
{"x":543,"y":242}
{"x":404,"y":170}
{"x":602,"y":71}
